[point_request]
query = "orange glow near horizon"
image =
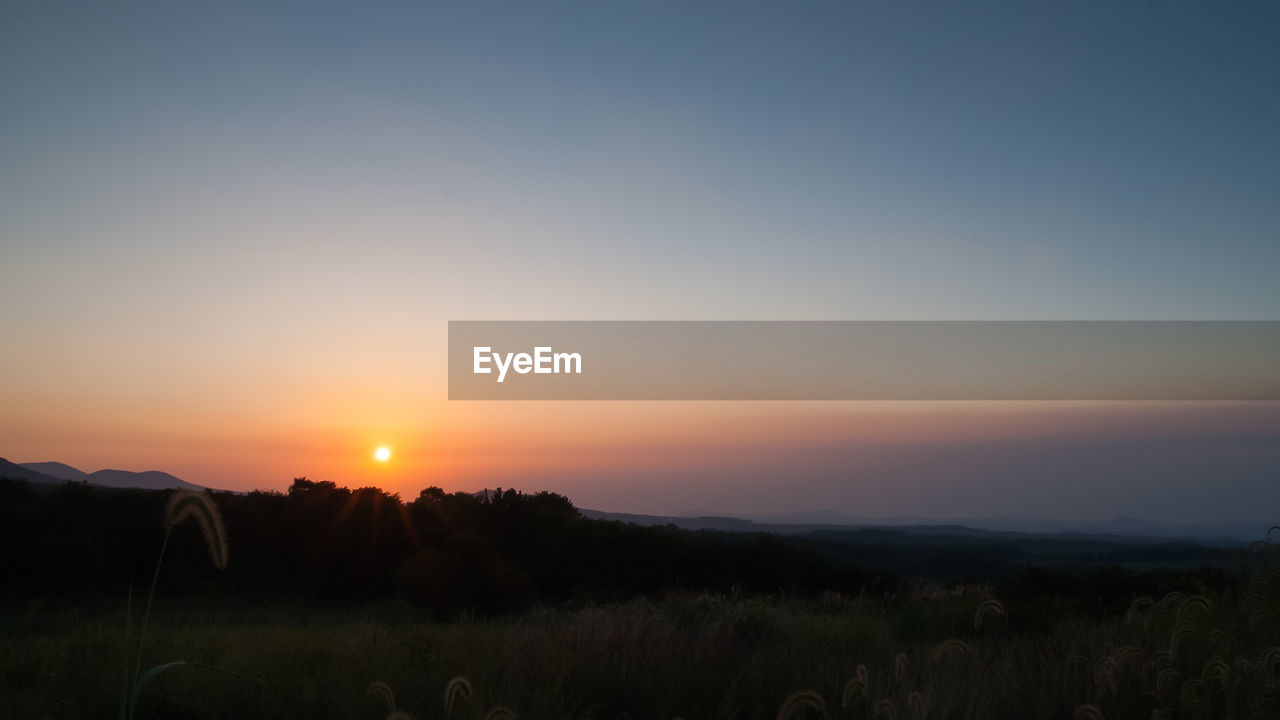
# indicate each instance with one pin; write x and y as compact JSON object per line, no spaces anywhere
{"x":645,"y":457}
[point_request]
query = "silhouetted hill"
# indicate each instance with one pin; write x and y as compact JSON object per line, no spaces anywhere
{"x":20,"y":472}
{"x":701,"y":522}
{"x":148,"y":480}
{"x":1120,"y":530}
{"x":61,"y":471}
{"x":808,"y":517}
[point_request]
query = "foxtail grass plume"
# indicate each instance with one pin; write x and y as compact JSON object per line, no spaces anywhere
{"x":857,"y":685}
{"x":1191,"y":693}
{"x":1137,"y":608}
{"x":1270,"y":661}
{"x":1153,"y":616}
{"x":1261,"y":616}
{"x":990,"y":606}
{"x":458,"y":687}
{"x":917,"y":706}
{"x":1195,"y":601}
{"x":1218,"y":639}
{"x":199,"y":506}
{"x":1087,"y":711}
{"x":1215,"y":670}
{"x":1104,"y":665}
{"x":500,"y":712}
{"x":1105,"y":677}
{"x":885,"y":709}
{"x":1168,"y":680}
{"x":1181,"y":631}
{"x":1156,"y":663}
{"x":384,"y":691}
{"x":946,"y":649}
{"x":800,"y":699}
{"x":1254,"y":601}
{"x":1130,"y":656}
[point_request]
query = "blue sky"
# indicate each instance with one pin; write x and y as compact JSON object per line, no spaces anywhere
{"x":232,"y":190}
{"x":1019,"y":159}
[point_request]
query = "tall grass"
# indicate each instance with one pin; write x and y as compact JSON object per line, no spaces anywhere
{"x":667,"y":660}
{"x":183,"y":505}
{"x":1207,"y":654}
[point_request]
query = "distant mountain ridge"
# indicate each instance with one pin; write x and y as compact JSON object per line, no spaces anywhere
{"x":152,"y":479}
{"x":57,"y":472}
{"x":1120,"y":526}
{"x":1225,"y":534}
{"x":19,"y":472}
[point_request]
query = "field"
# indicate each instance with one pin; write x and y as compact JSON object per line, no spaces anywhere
{"x":943,"y":655}
{"x":331,"y":603}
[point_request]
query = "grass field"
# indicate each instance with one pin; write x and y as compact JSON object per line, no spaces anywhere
{"x":939,"y":655}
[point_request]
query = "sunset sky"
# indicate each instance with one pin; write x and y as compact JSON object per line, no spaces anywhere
{"x":232,"y":236}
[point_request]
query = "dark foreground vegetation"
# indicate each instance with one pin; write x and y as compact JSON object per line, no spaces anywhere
{"x":340,"y":603}
{"x":507,"y":551}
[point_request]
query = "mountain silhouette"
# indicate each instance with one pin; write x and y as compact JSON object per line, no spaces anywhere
{"x":61,"y":472}
{"x":149,"y":479}
{"x":1124,"y":529}
{"x":20,"y":472}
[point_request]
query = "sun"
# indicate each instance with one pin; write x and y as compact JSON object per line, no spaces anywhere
{"x":382,"y":454}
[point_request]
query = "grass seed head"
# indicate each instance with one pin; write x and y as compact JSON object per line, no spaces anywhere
{"x":1215,"y":670}
{"x":500,"y":712}
{"x":1182,"y":631}
{"x":857,"y":685}
{"x":1153,"y":616}
{"x":1254,"y":601}
{"x":886,"y":709}
{"x":1269,"y":662}
{"x":1088,"y":711}
{"x":456,"y":688}
{"x":989,"y":607}
{"x":1194,"y":602}
{"x":383,"y":690}
{"x":916,"y":705}
{"x":1191,"y":691}
{"x":1260,"y":617}
{"x":199,"y":506}
{"x":946,"y":649}
{"x":1130,"y":656}
{"x":800,"y":699}
{"x":1136,"y":608}
{"x":1218,"y":639}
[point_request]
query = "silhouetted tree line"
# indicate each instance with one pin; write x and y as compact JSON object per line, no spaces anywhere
{"x":505,"y":550}
{"x":496,"y":551}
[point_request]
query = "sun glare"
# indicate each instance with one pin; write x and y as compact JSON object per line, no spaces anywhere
{"x":382,"y":454}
